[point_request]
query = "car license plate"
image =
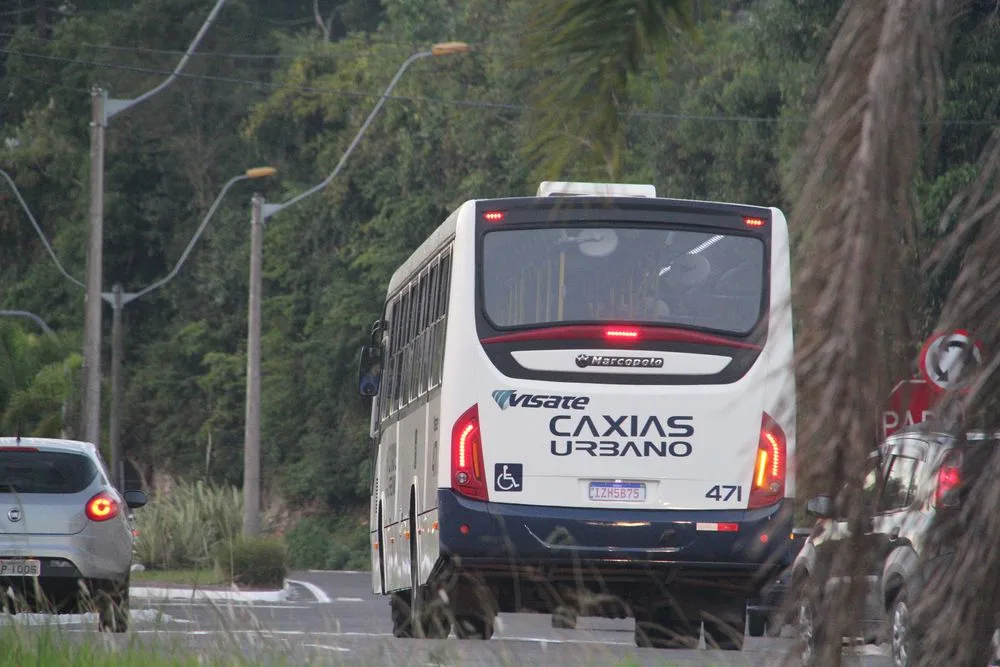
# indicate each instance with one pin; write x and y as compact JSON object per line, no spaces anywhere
{"x":20,"y":568}
{"x":634,"y":492}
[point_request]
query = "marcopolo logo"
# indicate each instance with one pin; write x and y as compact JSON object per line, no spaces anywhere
{"x":588,"y":360}
{"x":508,"y":398}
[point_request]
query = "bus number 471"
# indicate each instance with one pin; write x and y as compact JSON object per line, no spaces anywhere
{"x":724,"y":493}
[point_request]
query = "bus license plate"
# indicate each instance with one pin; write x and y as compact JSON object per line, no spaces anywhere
{"x":20,"y":568}
{"x":618,"y":491}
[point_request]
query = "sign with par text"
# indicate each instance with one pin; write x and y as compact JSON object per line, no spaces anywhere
{"x":910,"y":402}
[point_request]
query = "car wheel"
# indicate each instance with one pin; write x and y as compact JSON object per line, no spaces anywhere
{"x":756,"y":624}
{"x":113,"y":608}
{"x":900,"y":635}
{"x":806,"y":628}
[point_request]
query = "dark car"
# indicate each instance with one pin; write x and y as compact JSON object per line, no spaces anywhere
{"x":765,"y":613}
{"x":914,"y":475}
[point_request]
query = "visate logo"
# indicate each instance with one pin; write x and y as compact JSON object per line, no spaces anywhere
{"x":502,"y":397}
{"x":508,"y":398}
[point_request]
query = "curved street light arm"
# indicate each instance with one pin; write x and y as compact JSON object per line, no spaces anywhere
{"x":271,"y":209}
{"x":24,"y":313}
{"x":41,"y":234}
{"x":191,"y":243}
{"x":115,"y":106}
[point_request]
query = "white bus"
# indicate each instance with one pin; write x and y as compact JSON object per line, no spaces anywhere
{"x":587,"y":394}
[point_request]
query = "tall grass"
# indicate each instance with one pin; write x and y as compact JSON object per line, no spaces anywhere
{"x":182,"y":528}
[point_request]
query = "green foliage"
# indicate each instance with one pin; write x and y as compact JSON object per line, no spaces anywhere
{"x":253,"y":561}
{"x":184,"y":526}
{"x":327,"y":542}
{"x":588,"y":50}
{"x":52,"y":646}
{"x":38,"y":374}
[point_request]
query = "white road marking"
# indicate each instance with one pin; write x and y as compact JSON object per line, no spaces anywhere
{"x":135,"y":615}
{"x":329,"y":648}
{"x":316,"y":591}
{"x":348,"y":600}
{"x":336,"y":572}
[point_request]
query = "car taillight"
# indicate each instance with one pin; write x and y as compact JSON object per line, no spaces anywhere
{"x":768,"y":484}
{"x":102,"y":507}
{"x":949,"y":480}
{"x":467,"y":475}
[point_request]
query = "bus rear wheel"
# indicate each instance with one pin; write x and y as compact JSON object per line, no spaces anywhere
{"x":473,"y":626}
{"x":402,"y":615}
{"x":663,"y":626}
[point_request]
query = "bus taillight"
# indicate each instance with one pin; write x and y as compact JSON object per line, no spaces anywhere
{"x":467,"y":476}
{"x":768,"y":484}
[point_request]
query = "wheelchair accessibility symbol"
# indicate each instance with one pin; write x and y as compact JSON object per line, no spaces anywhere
{"x":507,"y":476}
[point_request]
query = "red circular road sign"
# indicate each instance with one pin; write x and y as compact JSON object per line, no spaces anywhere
{"x":950,"y":360}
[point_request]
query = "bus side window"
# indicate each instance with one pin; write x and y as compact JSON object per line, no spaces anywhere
{"x":418,"y":309}
{"x":442,"y":313}
{"x":431,"y":329}
{"x":404,"y":349}
{"x":386,"y":389}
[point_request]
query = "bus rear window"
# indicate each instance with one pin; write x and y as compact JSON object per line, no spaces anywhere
{"x":657,"y":275}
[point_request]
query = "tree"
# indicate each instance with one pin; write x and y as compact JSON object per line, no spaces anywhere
{"x":587,"y":51}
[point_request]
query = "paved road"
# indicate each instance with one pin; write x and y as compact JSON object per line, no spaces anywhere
{"x":332,"y":618}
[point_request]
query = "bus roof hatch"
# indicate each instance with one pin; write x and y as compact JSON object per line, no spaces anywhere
{"x":565,"y":188}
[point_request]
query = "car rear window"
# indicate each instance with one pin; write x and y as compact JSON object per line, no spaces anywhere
{"x":45,"y":472}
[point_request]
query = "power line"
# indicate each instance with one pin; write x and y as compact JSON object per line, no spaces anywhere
{"x":167,"y":52}
{"x":50,"y":84}
{"x":507,"y":106}
{"x":289,"y":55}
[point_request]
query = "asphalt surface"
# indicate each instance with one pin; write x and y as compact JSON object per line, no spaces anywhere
{"x":332,"y":618}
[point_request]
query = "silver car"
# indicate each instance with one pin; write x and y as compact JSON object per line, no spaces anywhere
{"x":65,"y":536}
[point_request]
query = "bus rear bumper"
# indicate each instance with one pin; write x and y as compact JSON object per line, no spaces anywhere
{"x":498,"y":540}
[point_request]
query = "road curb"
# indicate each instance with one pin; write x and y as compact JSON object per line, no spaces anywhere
{"x":216,"y":595}
{"x":314,"y":590}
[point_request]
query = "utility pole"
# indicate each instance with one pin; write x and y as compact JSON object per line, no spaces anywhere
{"x":95,"y":257}
{"x":117,"y":345}
{"x":251,"y":450}
{"x":102,"y":109}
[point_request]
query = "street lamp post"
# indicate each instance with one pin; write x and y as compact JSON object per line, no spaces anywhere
{"x":119,"y":299}
{"x":261,"y":212}
{"x":103,"y":108}
{"x":42,"y":324}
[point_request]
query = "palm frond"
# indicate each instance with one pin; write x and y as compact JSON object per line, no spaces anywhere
{"x":586,"y":50}
{"x":853,"y":215}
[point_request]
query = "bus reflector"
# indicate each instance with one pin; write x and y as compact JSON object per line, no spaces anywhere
{"x":753,"y":222}
{"x":622,"y":334}
{"x":718,"y":527}
{"x":768,"y":484}
{"x":493,"y":216}
{"x":467,"y":476}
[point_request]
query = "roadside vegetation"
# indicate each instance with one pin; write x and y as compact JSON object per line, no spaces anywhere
{"x":192,"y":530}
